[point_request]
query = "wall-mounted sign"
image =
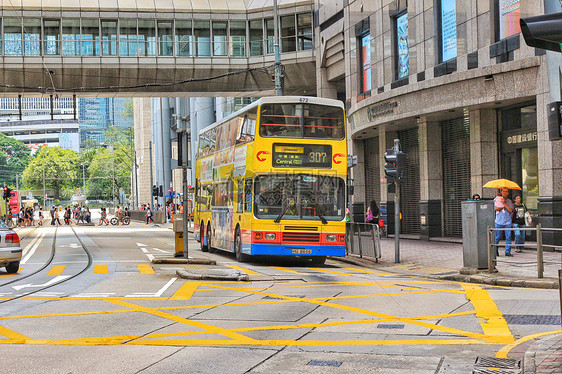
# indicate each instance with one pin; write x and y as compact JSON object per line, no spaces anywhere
{"x":520,"y":138}
{"x":382,"y":109}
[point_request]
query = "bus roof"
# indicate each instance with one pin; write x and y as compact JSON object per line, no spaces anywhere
{"x":277,"y":100}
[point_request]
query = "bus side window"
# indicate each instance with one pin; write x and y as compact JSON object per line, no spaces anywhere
{"x":248,"y":195}
{"x":240,"y":197}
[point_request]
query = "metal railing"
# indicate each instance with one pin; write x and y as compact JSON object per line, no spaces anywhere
{"x":539,"y":246}
{"x":363,"y":239}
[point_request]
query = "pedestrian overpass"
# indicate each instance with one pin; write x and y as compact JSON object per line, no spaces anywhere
{"x":154,"y":47}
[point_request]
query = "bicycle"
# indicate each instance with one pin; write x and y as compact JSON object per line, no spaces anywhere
{"x":125,"y":221}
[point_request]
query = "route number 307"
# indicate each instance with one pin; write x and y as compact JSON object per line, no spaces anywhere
{"x":303,"y":99}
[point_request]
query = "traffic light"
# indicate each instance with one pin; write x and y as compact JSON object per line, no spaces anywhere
{"x":401,"y":166}
{"x":161,"y":191}
{"x":6,"y":194}
{"x":154,"y":190}
{"x":390,"y":165}
{"x":543,"y":32}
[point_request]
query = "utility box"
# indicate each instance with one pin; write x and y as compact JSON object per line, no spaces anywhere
{"x":178,"y":222}
{"x":178,"y":231}
{"x":477,"y":216}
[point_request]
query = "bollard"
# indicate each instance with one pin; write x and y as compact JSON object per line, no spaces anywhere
{"x":540,"y":262}
{"x":490,"y":252}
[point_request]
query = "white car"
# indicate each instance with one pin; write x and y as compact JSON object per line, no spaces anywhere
{"x":10,"y":250}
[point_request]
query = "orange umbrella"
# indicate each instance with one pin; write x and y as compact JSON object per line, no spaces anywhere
{"x":502,"y":183}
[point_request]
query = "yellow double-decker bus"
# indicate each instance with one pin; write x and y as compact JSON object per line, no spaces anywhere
{"x":270,"y":180}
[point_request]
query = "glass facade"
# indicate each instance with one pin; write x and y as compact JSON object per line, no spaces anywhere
{"x":147,"y":37}
{"x":402,"y":47}
{"x":95,"y":115}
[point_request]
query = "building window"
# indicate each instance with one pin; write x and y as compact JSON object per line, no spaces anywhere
{"x":165,"y":39}
{"x":184,"y":38}
{"x":109,"y":38}
{"x":288,"y":34}
{"x":365,"y":61}
{"x":202,"y":32}
{"x":219,"y":39}
{"x":51,"y":39}
{"x":509,"y":12}
{"x":147,"y":38}
{"x":256,"y":38}
{"x":304,"y":31}
{"x":270,"y":34}
{"x":402,"y":51}
{"x":32,"y":37}
{"x":448,"y":29}
{"x":90,"y":37}
{"x":238,"y":38}
{"x":128,"y":37}
{"x":71,"y":37}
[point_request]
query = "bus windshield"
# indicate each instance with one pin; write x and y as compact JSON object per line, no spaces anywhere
{"x":307,"y":121}
{"x":299,"y":196}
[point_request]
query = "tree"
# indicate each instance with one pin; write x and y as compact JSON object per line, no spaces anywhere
{"x":14,"y":157}
{"x":108,"y":172}
{"x":60,"y":170}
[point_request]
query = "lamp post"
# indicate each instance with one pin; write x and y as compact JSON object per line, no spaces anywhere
{"x":184,"y":155}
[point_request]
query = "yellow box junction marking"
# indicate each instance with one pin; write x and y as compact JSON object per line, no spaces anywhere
{"x":101,"y":269}
{"x":56,"y":270}
{"x":285,"y":269}
{"x":493,"y":323}
{"x":186,"y":291}
{"x":247,"y":271}
{"x":145,"y":269}
{"x":370,"y":272}
{"x":502,"y":353}
{"x":332,"y":272}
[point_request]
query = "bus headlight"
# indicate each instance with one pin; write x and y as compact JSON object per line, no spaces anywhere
{"x":331,"y":237}
{"x":270,"y":236}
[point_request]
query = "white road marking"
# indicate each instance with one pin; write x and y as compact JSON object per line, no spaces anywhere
{"x":56,"y":279}
{"x":161,"y":250}
{"x":144,"y":250}
{"x":30,"y":249}
{"x":150,"y":257}
{"x":48,"y":294}
{"x":71,"y":245}
{"x":94,"y":294}
{"x":157,"y":294}
{"x":141,"y":245}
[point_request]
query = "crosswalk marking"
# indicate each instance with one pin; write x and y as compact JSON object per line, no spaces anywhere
{"x":145,"y":269}
{"x":101,"y":269}
{"x":247,"y":271}
{"x":56,"y":270}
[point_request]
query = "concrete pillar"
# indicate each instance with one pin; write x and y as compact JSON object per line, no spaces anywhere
{"x":431,"y":178}
{"x":143,"y":135}
{"x":483,"y":150}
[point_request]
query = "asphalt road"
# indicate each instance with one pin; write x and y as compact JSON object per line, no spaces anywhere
{"x":124,"y":314}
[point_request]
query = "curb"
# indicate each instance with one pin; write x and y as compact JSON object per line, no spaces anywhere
{"x":214,"y":274}
{"x":480,"y":278}
{"x":193,"y":261}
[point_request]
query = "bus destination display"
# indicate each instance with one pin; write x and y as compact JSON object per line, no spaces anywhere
{"x":302,"y":156}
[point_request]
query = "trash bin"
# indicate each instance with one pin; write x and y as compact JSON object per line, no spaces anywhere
{"x":477,"y":216}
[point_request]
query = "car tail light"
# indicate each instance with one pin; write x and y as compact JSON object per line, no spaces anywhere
{"x":12,"y":238}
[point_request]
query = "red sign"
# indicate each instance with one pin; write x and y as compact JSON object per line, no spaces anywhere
{"x":258,"y":156}
{"x":337,"y":155}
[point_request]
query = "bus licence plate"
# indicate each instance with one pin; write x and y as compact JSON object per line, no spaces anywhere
{"x":300,"y":251}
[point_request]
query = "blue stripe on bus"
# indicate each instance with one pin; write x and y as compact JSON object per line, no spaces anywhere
{"x":287,"y":250}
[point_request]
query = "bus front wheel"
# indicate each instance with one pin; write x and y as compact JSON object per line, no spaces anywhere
{"x":240,"y":257}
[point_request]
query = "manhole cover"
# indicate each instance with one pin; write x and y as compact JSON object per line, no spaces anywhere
{"x":532,"y":319}
{"x":324,"y":363}
{"x":495,"y":370}
{"x":505,"y":363}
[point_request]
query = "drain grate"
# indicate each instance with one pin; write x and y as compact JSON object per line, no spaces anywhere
{"x":325,"y":363}
{"x":489,"y":365}
{"x":532,"y":319}
{"x":388,"y":326}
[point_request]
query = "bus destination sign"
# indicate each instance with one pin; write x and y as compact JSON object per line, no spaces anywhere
{"x":302,"y":155}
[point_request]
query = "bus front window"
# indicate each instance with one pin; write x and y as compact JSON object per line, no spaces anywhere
{"x":298,"y":197}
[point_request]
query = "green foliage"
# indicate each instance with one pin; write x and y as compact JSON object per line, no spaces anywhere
{"x":14,"y":158}
{"x":109,"y":172}
{"x":57,"y":167}
{"x":128,"y":110}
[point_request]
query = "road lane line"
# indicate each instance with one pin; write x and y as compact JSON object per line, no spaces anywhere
{"x":332,"y":272}
{"x":12,"y":335}
{"x":370,"y":272}
{"x":161,"y":250}
{"x":285,"y":269}
{"x":186,"y":291}
{"x":493,"y":323}
{"x":502,"y":353}
{"x":145,"y":269}
{"x":166,"y":286}
{"x":101,"y":269}
{"x":56,"y":270}
{"x":247,"y":271}
{"x":31,"y":249}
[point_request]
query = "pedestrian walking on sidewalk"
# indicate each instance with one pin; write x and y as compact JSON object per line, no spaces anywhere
{"x":148,"y":215}
{"x":503,"y":207}
{"x":518,"y":221}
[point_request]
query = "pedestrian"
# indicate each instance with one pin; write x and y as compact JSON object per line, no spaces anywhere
{"x":87,"y":215}
{"x":52,"y":214}
{"x":148,"y":216}
{"x":518,"y":221}
{"x":475,"y":197}
{"x":503,"y":207}
{"x":40,"y":217}
{"x":56,"y":217}
{"x":372,"y":213}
